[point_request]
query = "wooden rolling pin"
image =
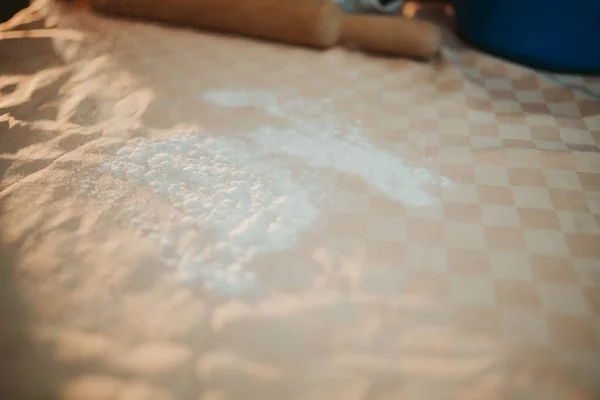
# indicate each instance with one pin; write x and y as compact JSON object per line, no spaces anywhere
{"x":316,"y":23}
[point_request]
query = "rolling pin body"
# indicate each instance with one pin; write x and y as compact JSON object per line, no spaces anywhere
{"x":316,"y":23}
{"x":391,"y":35}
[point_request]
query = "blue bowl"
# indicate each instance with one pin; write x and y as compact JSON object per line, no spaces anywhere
{"x":548,"y":34}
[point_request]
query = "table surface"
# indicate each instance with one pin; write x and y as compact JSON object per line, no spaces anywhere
{"x":413,"y":231}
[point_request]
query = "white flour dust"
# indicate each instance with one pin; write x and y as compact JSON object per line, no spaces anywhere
{"x":236,"y":205}
{"x":324,"y":142}
{"x":242,"y":197}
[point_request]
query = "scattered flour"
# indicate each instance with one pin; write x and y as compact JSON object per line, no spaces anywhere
{"x":240,"y":98}
{"x":324,"y":142}
{"x":244,"y":196}
{"x":240,"y":206}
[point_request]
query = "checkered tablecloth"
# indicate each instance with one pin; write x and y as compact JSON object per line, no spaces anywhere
{"x":491,"y":293}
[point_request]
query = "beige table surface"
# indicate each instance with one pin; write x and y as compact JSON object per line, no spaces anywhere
{"x":437,"y":234}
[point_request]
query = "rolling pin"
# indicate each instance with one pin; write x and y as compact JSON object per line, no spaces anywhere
{"x":315,"y":23}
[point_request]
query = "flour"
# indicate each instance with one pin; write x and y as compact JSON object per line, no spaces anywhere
{"x":239,"y":205}
{"x":240,"y":197}
{"x":240,"y":98}
{"x":327,"y":143}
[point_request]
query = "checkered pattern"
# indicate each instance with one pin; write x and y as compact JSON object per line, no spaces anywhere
{"x":507,"y":265}
{"x":514,"y":249}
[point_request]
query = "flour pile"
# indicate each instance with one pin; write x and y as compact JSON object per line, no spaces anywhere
{"x":238,"y":205}
{"x":254,"y":194}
